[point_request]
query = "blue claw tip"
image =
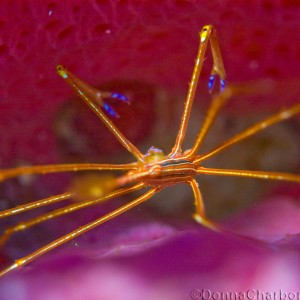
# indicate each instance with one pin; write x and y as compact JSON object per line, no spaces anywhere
{"x":110,"y":110}
{"x":119,"y":96}
{"x":222,"y":85}
{"x":211,"y":82}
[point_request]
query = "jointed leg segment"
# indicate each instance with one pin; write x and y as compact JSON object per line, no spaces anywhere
{"x":33,"y":205}
{"x":284,"y":114}
{"x":208,"y":33}
{"x":199,"y":214}
{"x":219,"y":100}
{"x":68,"y":237}
{"x":90,"y":96}
{"x":46,"y":169}
{"x":252,"y":174}
{"x":65,"y":210}
{"x":217,"y":103}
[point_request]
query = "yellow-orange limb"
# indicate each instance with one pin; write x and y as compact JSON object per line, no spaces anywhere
{"x":88,"y":95}
{"x":46,"y":169}
{"x":206,"y":34}
{"x":36,"y":204}
{"x":132,"y":176}
{"x":282,"y":115}
{"x":68,"y":237}
{"x":63,"y":211}
{"x":255,"y":88}
{"x":199,"y":214}
{"x":216,"y":104}
{"x":251,"y":174}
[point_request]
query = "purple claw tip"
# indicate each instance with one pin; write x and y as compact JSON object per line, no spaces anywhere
{"x":222,"y":85}
{"x":110,"y":110}
{"x":211,"y":82}
{"x":120,"y":97}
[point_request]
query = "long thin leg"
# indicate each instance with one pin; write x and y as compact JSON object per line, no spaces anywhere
{"x":283,"y":115}
{"x":88,"y":94}
{"x":33,"y":205}
{"x":46,"y":169}
{"x":68,"y":237}
{"x":217,"y":103}
{"x":207,"y":33}
{"x":251,"y":174}
{"x":261,"y":87}
{"x":199,"y":214}
{"x":63,"y":211}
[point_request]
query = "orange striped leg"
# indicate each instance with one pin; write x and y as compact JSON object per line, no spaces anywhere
{"x":68,"y":237}
{"x":46,"y":169}
{"x":90,"y":96}
{"x":208,"y":33}
{"x":217,"y":103}
{"x":199,"y":214}
{"x":261,"y":87}
{"x":33,"y":205}
{"x":252,"y":174}
{"x":63,"y":211}
{"x":282,"y":115}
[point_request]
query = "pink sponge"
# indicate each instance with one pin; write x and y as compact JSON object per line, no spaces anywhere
{"x":154,"y":43}
{"x":150,"y":41}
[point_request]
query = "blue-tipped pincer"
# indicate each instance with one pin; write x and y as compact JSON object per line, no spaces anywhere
{"x":110,"y":110}
{"x":211,"y":82}
{"x":119,"y":97}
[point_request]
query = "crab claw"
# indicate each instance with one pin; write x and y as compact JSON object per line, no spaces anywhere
{"x":110,"y":110}
{"x":113,"y":95}
{"x":119,"y":96}
{"x":211,"y":83}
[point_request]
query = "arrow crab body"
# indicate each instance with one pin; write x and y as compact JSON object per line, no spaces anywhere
{"x":153,"y":171}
